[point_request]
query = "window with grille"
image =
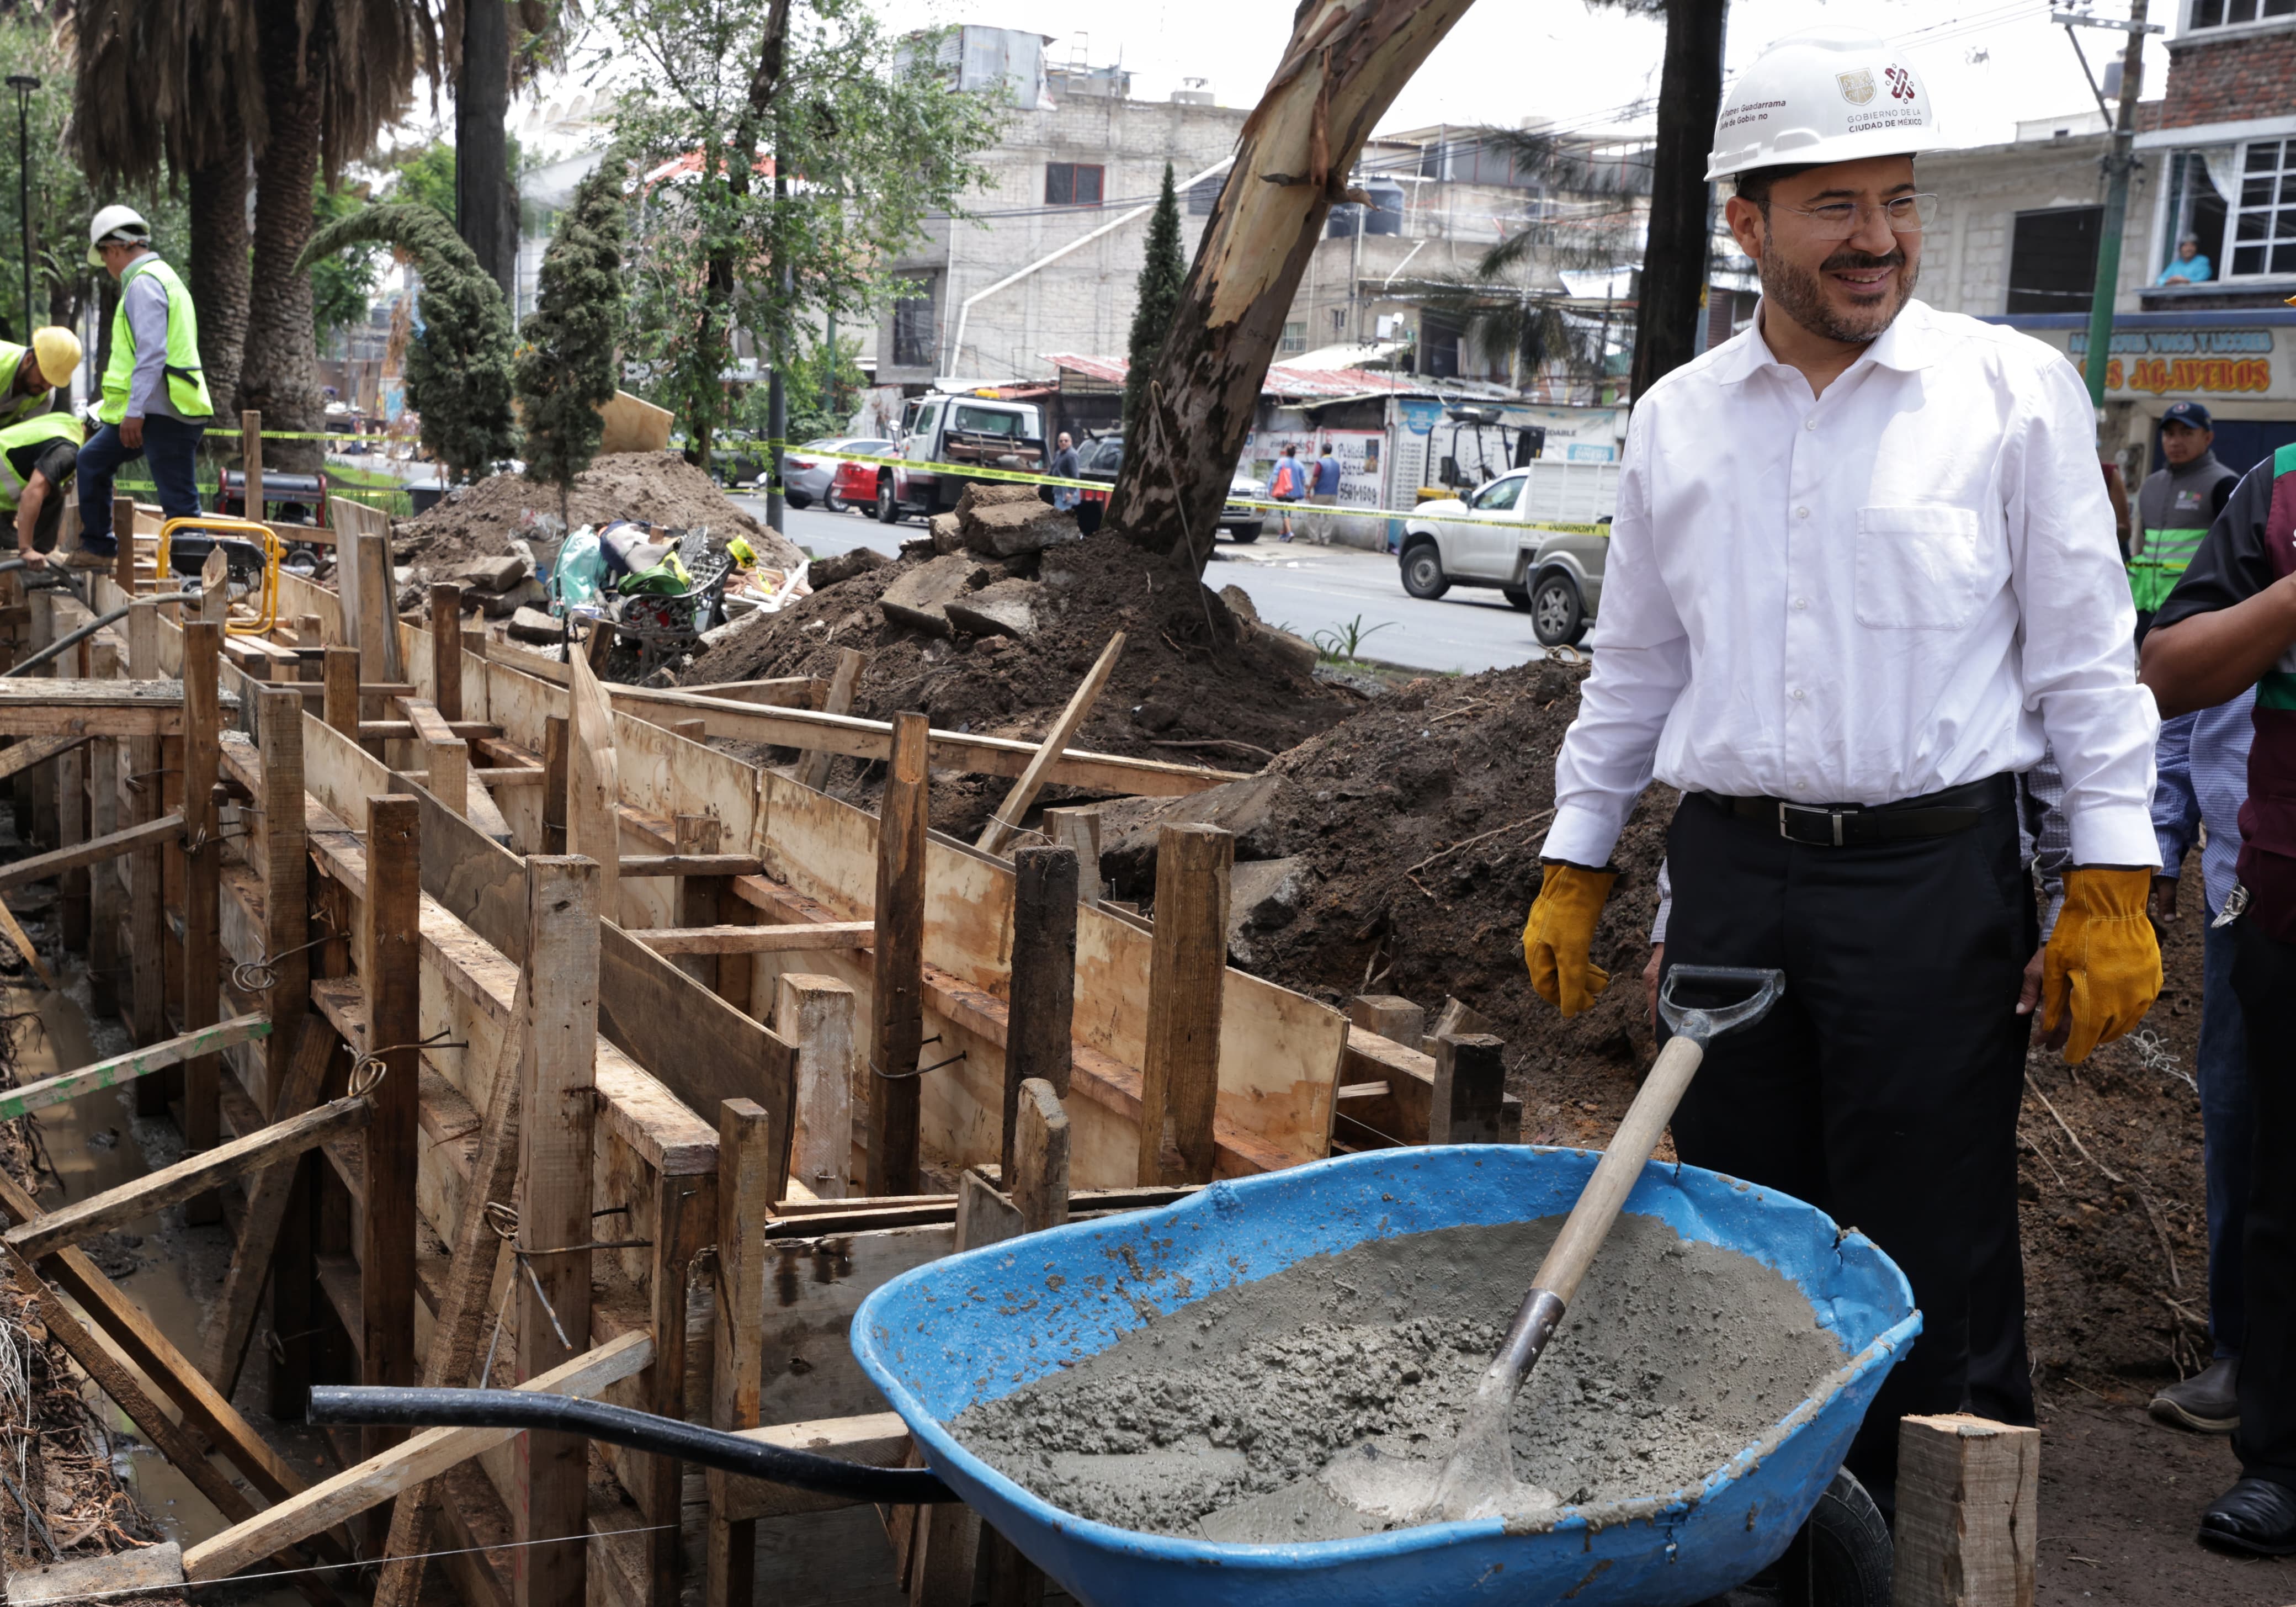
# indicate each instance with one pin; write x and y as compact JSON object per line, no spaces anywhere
{"x":2224,"y":14}
{"x":915,"y":335}
{"x":2264,"y":215}
{"x":1078,"y":184}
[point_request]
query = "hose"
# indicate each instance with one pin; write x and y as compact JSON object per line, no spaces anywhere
{"x":625,"y":1426}
{"x":76,"y":637}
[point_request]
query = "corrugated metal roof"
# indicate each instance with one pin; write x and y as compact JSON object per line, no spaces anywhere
{"x":1326,"y":384}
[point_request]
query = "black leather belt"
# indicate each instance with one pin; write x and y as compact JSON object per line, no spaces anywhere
{"x":1851,"y":825}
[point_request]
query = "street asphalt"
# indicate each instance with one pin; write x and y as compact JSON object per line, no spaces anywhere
{"x":1308,"y":590}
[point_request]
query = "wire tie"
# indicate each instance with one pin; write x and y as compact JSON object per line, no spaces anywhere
{"x":548,"y":1309}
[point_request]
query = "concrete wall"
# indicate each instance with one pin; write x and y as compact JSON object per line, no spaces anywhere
{"x":1965,"y":249}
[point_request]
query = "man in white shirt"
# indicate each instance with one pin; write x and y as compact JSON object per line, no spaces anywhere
{"x":1863,"y":570}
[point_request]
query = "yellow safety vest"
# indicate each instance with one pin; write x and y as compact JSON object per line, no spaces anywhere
{"x":187,"y":387}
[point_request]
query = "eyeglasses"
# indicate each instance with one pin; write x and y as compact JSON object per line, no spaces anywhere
{"x":1840,"y":220}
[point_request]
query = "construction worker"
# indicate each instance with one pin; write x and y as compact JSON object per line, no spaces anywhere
{"x":1862,"y":573}
{"x":2227,"y":628}
{"x":38,"y":456}
{"x":36,"y":373}
{"x":2175,"y":507}
{"x":155,"y":399}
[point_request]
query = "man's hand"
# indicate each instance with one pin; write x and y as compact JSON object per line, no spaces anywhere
{"x":1649,"y":981}
{"x":2160,"y":904}
{"x":1560,"y":932}
{"x":2029,"y":999}
{"x":2101,"y":971}
{"x":131,"y":433}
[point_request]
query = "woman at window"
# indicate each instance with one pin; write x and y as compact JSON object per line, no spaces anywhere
{"x":2188,"y":267}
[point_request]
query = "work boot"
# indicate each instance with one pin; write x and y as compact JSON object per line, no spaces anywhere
{"x":2256,"y":1516}
{"x":80,"y":558}
{"x":2207,"y":1403}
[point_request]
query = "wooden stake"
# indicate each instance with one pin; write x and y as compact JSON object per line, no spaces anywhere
{"x":747,"y":1184}
{"x":447,"y":648}
{"x":593,"y":788}
{"x":73,"y":894}
{"x":843,"y":682}
{"x":280,"y":849}
{"x":1039,"y":1181}
{"x":685,"y":1224}
{"x":1968,"y":1520}
{"x":693,"y":731}
{"x":107,"y":896}
{"x":250,"y":457}
{"x":1393,"y":1018}
{"x":558,"y":1112}
{"x":378,"y":593}
{"x":146,"y":891}
{"x":556,"y":742}
{"x":392,"y":982}
{"x":341,"y":705}
{"x":123,"y":533}
{"x":816,"y":1014}
{"x":897,"y":993}
{"x":1470,"y":1088}
{"x":699,"y":898}
{"x":1079,"y":830}
{"x":1006,"y":821}
{"x":202,"y":888}
{"x":1187,"y":973}
{"x":1043,"y":1004}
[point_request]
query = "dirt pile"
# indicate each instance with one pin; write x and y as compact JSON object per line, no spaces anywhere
{"x":659,"y":487}
{"x":1195,"y":684}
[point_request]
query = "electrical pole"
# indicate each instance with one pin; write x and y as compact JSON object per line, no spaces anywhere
{"x":2119,"y":164}
{"x":23,"y":86}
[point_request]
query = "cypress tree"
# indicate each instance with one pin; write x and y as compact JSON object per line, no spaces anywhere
{"x":1162,"y":278}
{"x":567,"y":364}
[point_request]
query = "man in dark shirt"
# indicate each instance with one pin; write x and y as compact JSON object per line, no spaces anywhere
{"x":38,"y":457}
{"x":2230,"y":624}
{"x":1064,"y":467}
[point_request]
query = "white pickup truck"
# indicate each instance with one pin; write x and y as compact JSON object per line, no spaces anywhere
{"x":1536,"y":533}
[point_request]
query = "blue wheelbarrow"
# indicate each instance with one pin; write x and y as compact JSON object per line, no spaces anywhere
{"x":945,"y":1336}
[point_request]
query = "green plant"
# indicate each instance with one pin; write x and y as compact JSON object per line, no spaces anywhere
{"x":567,"y":368}
{"x":343,"y":286}
{"x":1343,"y":644}
{"x":458,"y":369}
{"x":1163,"y":274}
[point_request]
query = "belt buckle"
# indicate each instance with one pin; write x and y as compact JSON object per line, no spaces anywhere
{"x":1786,"y":829}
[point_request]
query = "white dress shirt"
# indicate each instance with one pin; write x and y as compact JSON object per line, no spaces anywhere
{"x":1906,"y":584}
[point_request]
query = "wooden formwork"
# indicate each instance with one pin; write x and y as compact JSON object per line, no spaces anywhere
{"x":366,"y":812}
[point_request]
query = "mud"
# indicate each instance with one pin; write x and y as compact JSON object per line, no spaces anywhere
{"x":1237,"y":1417}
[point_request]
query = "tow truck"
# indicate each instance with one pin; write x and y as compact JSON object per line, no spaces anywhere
{"x":967,"y":430}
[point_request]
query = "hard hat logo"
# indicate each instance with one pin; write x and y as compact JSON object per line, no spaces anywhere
{"x":1902,"y":86}
{"x":1857,"y":87}
{"x":1829,"y":94}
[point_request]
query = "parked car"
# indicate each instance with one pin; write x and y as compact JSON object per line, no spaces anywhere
{"x":1535,"y":532}
{"x":810,"y":473}
{"x":1103,"y":456}
{"x":855,"y":488}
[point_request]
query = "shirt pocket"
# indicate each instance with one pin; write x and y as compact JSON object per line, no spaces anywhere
{"x":1921,"y":567}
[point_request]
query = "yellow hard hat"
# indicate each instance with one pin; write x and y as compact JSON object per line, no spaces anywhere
{"x":58,"y":350}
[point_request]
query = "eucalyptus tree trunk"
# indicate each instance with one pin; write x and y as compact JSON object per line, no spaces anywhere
{"x":486,"y":201}
{"x":216,"y":267}
{"x":1672,"y":295}
{"x":1346,"y":61}
{"x":278,"y":372}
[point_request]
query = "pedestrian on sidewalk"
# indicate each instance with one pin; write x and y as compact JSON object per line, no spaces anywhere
{"x":2202,"y":762}
{"x":2230,"y":627}
{"x":1862,"y":575}
{"x":155,"y":401}
{"x":1327,"y":495}
{"x":1288,"y":484}
{"x":2175,"y":507}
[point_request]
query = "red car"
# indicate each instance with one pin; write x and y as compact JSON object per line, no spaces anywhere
{"x":853,"y":489}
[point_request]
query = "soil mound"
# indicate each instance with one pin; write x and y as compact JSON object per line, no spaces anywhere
{"x":1194,"y":684}
{"x":659,"y":487}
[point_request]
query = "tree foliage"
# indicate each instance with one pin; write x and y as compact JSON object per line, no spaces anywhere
{"x":342,"y":284}
{"x":870,"y":135}
{"x":567,"y":367}
{"x":1162,"y":277}
{"x":459,"y":366}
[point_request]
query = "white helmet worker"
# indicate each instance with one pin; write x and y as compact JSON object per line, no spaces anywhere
{"x":115,"y":223}
{"x":1830,"y":94}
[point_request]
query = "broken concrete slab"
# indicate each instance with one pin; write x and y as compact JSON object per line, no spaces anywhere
{"x":947,"y":534}
{"x":1008,"y":608}
{"x":1254,"y":810}
{"x":532,"y":625}
{"x":843,"y":566}
{"x":1264,"y":895}
{"x":1003,"y":520}
{"x":496,"y":574}
{"x":920,"y":598}
{"x":529,"y":593}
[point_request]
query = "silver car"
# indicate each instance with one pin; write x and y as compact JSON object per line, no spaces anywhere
{"x":1563,"y":576}
{"x":809,"y":472}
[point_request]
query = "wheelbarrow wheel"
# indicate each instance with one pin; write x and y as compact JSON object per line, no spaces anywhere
{"x":1841,"y":1558}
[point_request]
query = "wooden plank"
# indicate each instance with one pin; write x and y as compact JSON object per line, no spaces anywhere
{"x":72,"y":914}
{"x":447,"y":647}
{"x":384,"y":731}
{"x":800,"y":937}
{"x":1078,"y":830}
{"x":115,"y":1578}
{"x":844,"y":681}
{"x":749,"y":1181}
{"x":31,"y":706}
{"x":147,"y":879}
{"x":557,"y":741}
{"x":557,"y":1083}
{"x":23,"y":945}
{"x":108,"y":899}
{"x":1040,"y":1174}
{"x":1409,"y":1075}
{"x":1006,"y":821}
{"x":127,"y":1068}
{"x":1039,"y":1041}
{"x":39,"y":867}
{"x":686,"y":1221}
{"x":281,"y":851}
{"x":1179,"y":1078}
{"x":424,"y":1455}
{"x":1469,"y":1091}
{"x":694,"y":899}
{"x":1968,"y":1526}
{"x":1389,"y":1016}
{"x":340,"y":691}
{"x":377,"y":628}
{"x":28,"y":752}
{"x":691,"y":864}
{"x":459,"y":1321}
{"x":99,"y":1214}
{"x":123,"y":532}
{"x":816,"y":1016}
{"x":897,"y":996}
{"x":594,"y":787}
{"x":391,"y":979}
{"x":873,"y":1439}
{"x":232,"y":1321}
{"x":202,"y":855}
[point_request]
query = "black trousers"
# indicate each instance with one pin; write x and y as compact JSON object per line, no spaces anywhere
{"x":2264,"y":980}
{"x":1883,"y":1088}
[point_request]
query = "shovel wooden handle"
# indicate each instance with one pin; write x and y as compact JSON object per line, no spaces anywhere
{"x":1599,"y":1203}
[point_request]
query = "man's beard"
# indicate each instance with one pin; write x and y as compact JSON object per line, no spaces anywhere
{"x":1801,"y":295}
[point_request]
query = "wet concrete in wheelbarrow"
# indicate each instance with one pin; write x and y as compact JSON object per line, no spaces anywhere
{"x":1232,"y":1418}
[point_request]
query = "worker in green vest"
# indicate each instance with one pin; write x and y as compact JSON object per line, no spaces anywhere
{"x":2175,"y":507}
{"x":38,"y":456}
{"x":34,"y":372}
{"x":155,"y":402}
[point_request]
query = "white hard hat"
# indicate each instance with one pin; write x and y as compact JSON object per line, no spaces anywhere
{"x":1831,"y":94}
{"x":124,"y":223}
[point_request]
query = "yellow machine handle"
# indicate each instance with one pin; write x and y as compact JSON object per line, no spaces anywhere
{"x":274,"y":549}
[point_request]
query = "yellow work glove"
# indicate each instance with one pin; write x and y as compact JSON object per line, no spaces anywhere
{"x":1555,"y":939}
{"x":2102,"y":962}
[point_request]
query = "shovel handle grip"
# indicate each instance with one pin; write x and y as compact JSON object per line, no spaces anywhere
{"x":1615,"y":1174}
